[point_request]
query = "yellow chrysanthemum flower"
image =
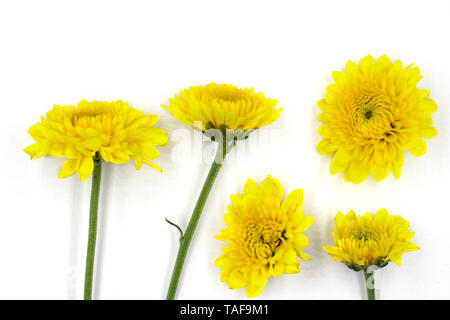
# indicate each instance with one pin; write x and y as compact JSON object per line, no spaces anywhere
{"x":369,"y":240}
{"x":223,"y":106}
{"x":265,"y":236}
{"x":371,"y":114}
{"x":112,"y":131}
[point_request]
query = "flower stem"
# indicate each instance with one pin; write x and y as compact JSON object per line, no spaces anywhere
{"x":93,"y":214}
{"x":370,"y":284}
{"x":185,"y":240}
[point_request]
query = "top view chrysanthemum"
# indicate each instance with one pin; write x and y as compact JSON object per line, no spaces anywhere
{"x":111,"y":131}
{"x":372,"y":114}
{"x":265,"y":236}
{"x":223,"y":105}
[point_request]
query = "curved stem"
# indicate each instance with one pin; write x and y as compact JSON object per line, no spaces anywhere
{"x":185,"y":240}
{"x":370,"y":284}
{"x":93,"y":214}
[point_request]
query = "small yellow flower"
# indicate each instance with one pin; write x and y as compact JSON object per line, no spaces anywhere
{"x":368,"y":240}
{"x":223,"y":106}
{"x":265,"y":236}
{"x":112,"y":131}
{"x":371,"y":114}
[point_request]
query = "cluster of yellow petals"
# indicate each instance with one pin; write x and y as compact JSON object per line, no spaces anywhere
{"x":370,"y":240}
{"x":371,"y":114}
{"x":112,"y":131}
{"x":264,"y":235}
{"x":223,"y":106}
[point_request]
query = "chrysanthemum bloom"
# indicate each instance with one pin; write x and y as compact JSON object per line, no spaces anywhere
{"x":265,"y":236}
{"x":224,"y":113}
{"x":223,"y":106}
{"x":372,"y":114}
{"x":366,"y":242}
{"x":87,"y":135}
{"x":111,"y":131}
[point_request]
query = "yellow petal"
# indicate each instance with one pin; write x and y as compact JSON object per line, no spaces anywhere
{"x":293,"y":202}
{"x":339,"y":77}
{"x":153,"y":165}
{"x":251,"y":186}
{"x":340,"y":161}
{"x":301,"y":240}
{"x":252,"y":291}
{"x":86,"y":168}
{"x":358,"y":174}
{"x":428,"y":132}
{"x":271,"y":188}
{"x":326,"y":147}
{"x":68,"y":168}
{"x":34,"y":151}
{"x":366,"y":64}
{"x":419,"y":149}
{"x":137,"y":163}
{"x":307,"y":221}
{"x":428,"y":106}
{"x":396,"y":171}
{"x":380,"y":172}
{"x":351,"y":67}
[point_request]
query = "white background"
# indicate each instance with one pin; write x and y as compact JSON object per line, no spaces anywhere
{"x":59,"y":52}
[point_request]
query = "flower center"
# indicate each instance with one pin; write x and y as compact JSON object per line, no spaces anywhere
{"x":227,"y":94}
{"x":364,"y":235}
{"x":368,"y":114}
{"x":372,"y":116}
{"x":228,"y":97}
{"x":262,"y":239}
{"x":89,"y":114}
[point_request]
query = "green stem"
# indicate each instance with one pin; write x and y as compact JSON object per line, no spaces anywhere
{"x":185,"y":240}
{"x":370,"y":284}
{"x":93,"y":214}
